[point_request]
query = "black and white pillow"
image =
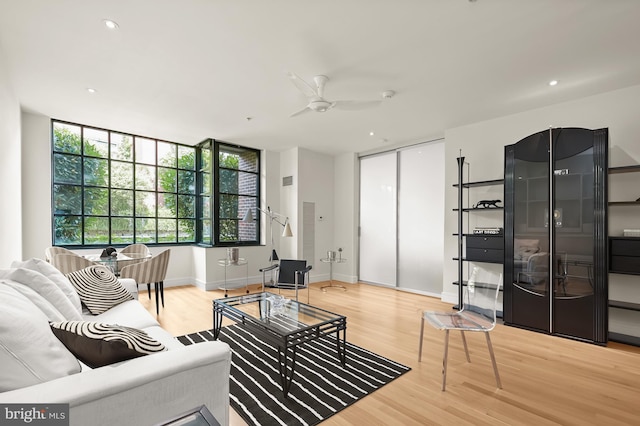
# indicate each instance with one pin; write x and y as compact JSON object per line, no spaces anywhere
{"x":98,"y":344}
{"x":98,"y":288}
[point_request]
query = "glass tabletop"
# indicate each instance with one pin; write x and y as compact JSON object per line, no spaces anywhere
{"x":274,"y":312}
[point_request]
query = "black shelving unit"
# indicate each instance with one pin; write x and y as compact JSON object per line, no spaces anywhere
{"x":624,"y":258}
{"x":462,"y":236}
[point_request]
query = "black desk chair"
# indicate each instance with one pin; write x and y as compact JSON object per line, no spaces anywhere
{"x":290,"y":275}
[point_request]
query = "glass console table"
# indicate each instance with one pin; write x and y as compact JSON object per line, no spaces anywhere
{"x":331,"y":261}
{"x":227,"y":263}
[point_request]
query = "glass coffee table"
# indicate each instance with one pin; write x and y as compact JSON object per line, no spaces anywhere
{"x":283,"y":323}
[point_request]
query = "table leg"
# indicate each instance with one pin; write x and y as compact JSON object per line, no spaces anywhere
{"x":217,"y":321}
{"x":331,"y":285}
{"x":341,"y":346}
{"x":286,"y":364}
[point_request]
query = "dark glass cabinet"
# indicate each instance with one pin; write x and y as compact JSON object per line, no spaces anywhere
{"x":556,"y":233}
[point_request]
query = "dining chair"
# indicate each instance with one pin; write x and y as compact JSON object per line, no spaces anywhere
{"x":139,"y":252}
{"x":150,"y":271}
{"x":477,"y":315}
{"x":70,"y":262}
{"x":49,"y":252}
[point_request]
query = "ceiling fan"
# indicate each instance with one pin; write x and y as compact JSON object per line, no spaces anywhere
{"x":317,"y":102}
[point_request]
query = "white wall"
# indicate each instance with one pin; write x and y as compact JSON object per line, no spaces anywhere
{"x":10,"y":172}
{"x":346,"y":215}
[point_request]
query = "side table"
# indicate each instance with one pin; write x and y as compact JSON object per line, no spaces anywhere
{"x":331,"y":261}
{"x":226,"y":263}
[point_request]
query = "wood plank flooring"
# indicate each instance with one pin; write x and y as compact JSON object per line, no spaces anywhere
{"x":546,"y":380}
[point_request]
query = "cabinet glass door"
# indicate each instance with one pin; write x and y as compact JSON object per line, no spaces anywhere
{"x":531,"y":246}
{"x":573,"y":308}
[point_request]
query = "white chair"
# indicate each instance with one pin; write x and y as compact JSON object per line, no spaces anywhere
{"x":478,"y":314}
{"x":150,"y":271}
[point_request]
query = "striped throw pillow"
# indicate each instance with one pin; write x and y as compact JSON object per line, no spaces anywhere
{"x":98,"y":288}
{"x":98,"y":344}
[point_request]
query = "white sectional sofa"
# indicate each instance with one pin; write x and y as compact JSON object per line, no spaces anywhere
{"x":36,"y":369}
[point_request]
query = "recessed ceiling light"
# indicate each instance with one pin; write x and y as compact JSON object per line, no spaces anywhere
{"x":371,"y":133}
{"x":553,"y":82}
{"x":91,"y":90}
{"x":112,"y":25}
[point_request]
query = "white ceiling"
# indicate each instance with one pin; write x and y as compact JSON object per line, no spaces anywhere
{"x":186,"y":70}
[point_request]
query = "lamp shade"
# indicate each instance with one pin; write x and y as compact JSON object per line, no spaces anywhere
{"x":248,"y":216}
{"x":286,"y":232}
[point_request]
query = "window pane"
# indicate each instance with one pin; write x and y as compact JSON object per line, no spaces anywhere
{"x":121,"y":202}
{"x":227,"y":159}
{"x":247,"y":183}
{"x":145,"y":231}
{"x":96,"y":143}
{"x":186,"y":158}
{"x":229,"y":206}
{"x":186,"y":182}
{"x":96,"y":172}
{"x":238,"y":158}
{"x":96,"y":230}
{"x":96,"y":201}
{"x":67,"y":169}
{"x":145,"y":151}
{"x":145,"y":204}
{"x":122,"y":230}
{"x":166,"y":154}
{"x":121,"y":147}
{"x":206,"y":231}
{"x":68,"y":230}
{"x":121,"y":175}
{"x":167,"y":205}
{"x":167,"y":230}
{"x":67,"y":199}
{"x":206,"y":183}
{"x":247,"y":231}
{"x":186,"y":231}
{"x":186,"y":206}
{"x":167,"y":179}
{"x":228,"y":181}
{"x":145,"y":177}
{"x":66,"y":138}
{"x":206,"y":159}
{"x":206,"y":206}
{"x":228,"y":230}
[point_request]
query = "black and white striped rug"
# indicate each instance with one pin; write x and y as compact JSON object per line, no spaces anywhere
{"x":321,"y":386}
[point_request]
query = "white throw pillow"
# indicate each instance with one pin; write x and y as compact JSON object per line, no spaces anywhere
{"x":45,"y":288}
{"x":98,"y":288}
{"x":29,"y":352}
{"x":51,"y":272}
{"x":43,"y":304}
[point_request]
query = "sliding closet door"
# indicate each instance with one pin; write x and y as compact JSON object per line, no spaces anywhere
{"x":421,"y":218}
{"x":378,"y":219}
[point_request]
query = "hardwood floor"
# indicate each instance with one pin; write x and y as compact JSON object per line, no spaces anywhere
{"x":546,"y":380}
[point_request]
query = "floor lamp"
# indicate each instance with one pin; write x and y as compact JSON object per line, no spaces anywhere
{"x":278,"y":218}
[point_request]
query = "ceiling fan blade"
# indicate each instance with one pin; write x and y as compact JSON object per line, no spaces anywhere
{"x":302,"y":111}
{"x":302,"y":85}
{"x":356,"y":105}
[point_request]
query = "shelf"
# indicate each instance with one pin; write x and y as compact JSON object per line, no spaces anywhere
{"x":477,"y":209}
{"x":623,"y":169}
{"x":479,"y":261}
{"x":624,"y":203}
{"x":624,"y":305}
{"x":624,"y":338}
{"x":481,"y":183}
{"x":478,"y":284}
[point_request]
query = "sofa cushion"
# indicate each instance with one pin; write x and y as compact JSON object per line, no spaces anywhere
{"x":45,"y":288}
{"x":97,"y":344}
{"x":130,"y":314}
{"x":58,"y":278}
{"x":43,"y":304}
{"x":98,"y":288}
{"x":29,"y":352}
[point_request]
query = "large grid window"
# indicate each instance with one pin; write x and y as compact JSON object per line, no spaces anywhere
{"x":228,"y":189}
{"x":112,"y":188}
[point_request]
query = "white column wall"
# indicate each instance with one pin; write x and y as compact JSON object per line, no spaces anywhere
{"x":10,"y":171}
